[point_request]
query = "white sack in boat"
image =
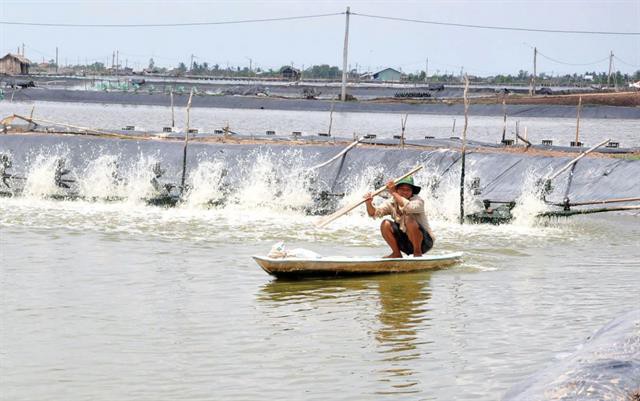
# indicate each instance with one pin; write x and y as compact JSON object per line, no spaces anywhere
{"x":280,"y":251}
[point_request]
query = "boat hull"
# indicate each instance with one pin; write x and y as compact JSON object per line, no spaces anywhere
{"x":295,"y":267}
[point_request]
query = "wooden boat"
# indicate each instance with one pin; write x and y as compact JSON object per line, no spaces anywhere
{"x":339,"y":266}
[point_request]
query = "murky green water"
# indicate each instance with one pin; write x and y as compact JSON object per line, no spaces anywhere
{"x":123,"y":301}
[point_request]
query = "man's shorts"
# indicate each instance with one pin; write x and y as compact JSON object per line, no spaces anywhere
{"x":403,"y":240}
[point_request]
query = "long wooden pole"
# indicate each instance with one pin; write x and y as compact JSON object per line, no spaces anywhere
{"x":345,"y":150}
{"x":323,"y":222}
{"x":566,"y":213}
{"x":598,"y":202}
{"x":35,"y":121}
{"x":464,"y":146}
{"x":572,"y":162}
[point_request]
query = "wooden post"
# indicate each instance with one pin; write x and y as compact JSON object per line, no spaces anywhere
{"x":578,"y":121}
{"x":404,"y":124}
{"x":464,"y":146}
{"x":504,"y":121}
{"x":453,"y":128}
{"x":186,"y":142}
{"x":173,"y":118}
{"x":331,"y":116}
{"x":343,"y":95}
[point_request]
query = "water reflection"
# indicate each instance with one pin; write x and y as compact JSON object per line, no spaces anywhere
{"x":398,"y":327}
{"x":403,"y":315}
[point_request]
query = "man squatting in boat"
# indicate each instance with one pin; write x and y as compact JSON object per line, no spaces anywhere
{"x":409,"y":230}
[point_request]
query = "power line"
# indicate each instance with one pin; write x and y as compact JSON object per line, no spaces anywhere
{"x":626,"y":63}
{"x":504,"y":28}
{"x":247,"y":21}
{"x":575,"y":64}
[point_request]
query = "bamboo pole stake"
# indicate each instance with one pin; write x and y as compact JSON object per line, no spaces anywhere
{"x":464,"y":145}
{"x":504,"y":119}
{"x":173,"y":118}
{"x":331,"y":116}
{"x":186,"y":142}
{"x":578,"y":121}
{"x":404,"y":125}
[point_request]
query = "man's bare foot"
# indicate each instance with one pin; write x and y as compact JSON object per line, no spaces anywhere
{"x":417,"y":255}
{"x":392,"y":255}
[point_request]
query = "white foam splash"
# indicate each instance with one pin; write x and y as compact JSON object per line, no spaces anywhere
{"x":99,"y":179}
{"x":529,"y":204}
{"x":137,"y":178}
{"x":40,"y":178}
{"x":205,"y":184}
{"x":268,"y":200}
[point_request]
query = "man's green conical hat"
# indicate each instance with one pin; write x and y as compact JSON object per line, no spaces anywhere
{"x":409,"y":181}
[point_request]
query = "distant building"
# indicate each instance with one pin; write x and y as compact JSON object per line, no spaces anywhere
{"x":290,"y":73}
{"x":388,"y":74}
{"x":14,"y":64}
{"x":588,"y":77}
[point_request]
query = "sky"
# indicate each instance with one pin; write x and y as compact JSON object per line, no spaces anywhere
{"x":373,"y":43}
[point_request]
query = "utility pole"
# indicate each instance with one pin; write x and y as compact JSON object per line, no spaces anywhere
{"x":117,"y":61}
{"x":532,"y":88}
{"x":610,"y":69}
{"x":23,"y":50}
{"x":113,"y":60}
{"x":343,"y":95}
{"x":426,"y":71}
{"x":191,"y":65}
{"x":56,"y":59}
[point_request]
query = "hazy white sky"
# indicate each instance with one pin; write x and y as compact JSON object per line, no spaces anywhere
{"x":373,"y":43}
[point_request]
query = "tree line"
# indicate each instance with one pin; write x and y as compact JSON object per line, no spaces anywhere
{"x":329,"y":72}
